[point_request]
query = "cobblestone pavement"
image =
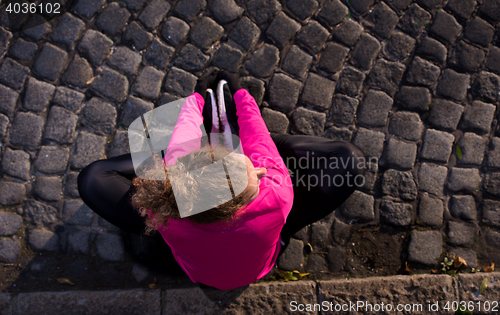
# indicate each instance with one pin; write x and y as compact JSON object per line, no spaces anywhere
{"x":415,"y":84}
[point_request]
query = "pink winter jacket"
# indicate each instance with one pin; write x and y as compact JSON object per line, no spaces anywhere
{"x":227,"y":256}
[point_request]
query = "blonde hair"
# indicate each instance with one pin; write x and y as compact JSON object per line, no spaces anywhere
{"x":158,"y":195}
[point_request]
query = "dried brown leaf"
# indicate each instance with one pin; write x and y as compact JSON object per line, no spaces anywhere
{"x":64,"y":281}
{"x":489,"y":268}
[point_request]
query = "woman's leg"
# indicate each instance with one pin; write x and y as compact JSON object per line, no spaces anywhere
{"x":324,"y":174}
{"x":106,"y":187}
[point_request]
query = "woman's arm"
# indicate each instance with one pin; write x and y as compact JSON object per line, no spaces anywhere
{"x":186,"y":136}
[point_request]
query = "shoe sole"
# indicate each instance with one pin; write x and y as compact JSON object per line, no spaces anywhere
{"x":221,"y":105}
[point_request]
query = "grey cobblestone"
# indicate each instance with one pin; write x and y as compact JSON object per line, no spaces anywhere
{"x":320,"y":235}
{"x":5,"y":38}
{"x":466,"y":57}
{"x":175,"y":30}
{"x":112,"y":19}
{"x":491,"y":213}
{"x":88,"y":8}
{"x":245,"y":33}
{"x":191,"y":58}
{"x":26,"y":130}
{"x":491,"y":9}
{"x":125,"y":60}
{"x":95,"y":46}
{"x":110,"y":247}
{"x":8,"y":100}
{"x":351,"y":81}
{"x":226,"y":11}
{"x":135,"y":35}
{"x":453,"y":85}
{"x":50,"y":62}
{"x":70,"y":185}
{"x":296,"y":62}
{"x":359,"y":206}
{"x":88,"y":148}
{"x":399,"y":185}
{"x":432,"y":50}
{"x":154,"y":13}
{"x":52,"y":159}
{"x":374,"y":109}
{"x":4,"y":122}
{"x":120,"y":144}
{"x":487,"y":86}
{"x":302,"y":8}
{"x":347,"y":32}
{"x":9,"y":250}
{"x":332,"y":57}
{"x":425,"y":247}
{"x":493,"y":61}
{"x":275,"y":121}
{"x":370,"y":142}
{"x":431,"y":178}
{"x":460,"y":234}
{"x":400,"y":45}
{"x":68,"y":30}
{"x":188,"y":9}
{"x":48,"y":188}
{"x":309,"y":122}
{"x":422,"y":72}
{"x":180,"y":82}
{"x":39,"y":213}
{"x":158,"y":54}
{"x":43,"y":240}
{"x":406,"y":125}
{"x":284,"y":91}
{"x":479,"y":32}
{"x":361,"y":5}
{"x":366,"y":51}
{"x":38,"y":27}
{"x":333,"y":12}
{"x":386,"y":75}
{"x":206,"y":33}
{"x":464,"y":179}
{"x":12,"y":193}
{"x":462,"y":8}
{"x":318,"y":91}
{"x":133,"y":108}
{"x":13,"y":74}
{"x":437,"y":145}
{"x":99,"y":115}
{"x":228,"y":58}
{"x":344,"y":109}
{"x":478,"y":117}
{"x":430,"y":210}
{"x":148,"y":83}
{"x":23,"y":50}
{"x":78,"y":73}
{"x":445,"y":27}
{"x":473,"y":147}
{"x":263,"y":10}
{"x":10,"y":223}
{"x":78,"y":242}
{"x":395,"y":213}
{"x":68,"y":98}
{"x":381,"y":20}
{"x":76,"y":212}
{"x":111,"y":84}
{"x":313,"y":36}
{"x":263,"y":61}
{"x":463,"y":207}
{"x":445,"y":114}
{"x":414,"y":20}
{"x":492,"y":183}
{"x":61,"y":125}
{"x":16,"y":163}
{"x":494,"y":155}
{"x":282,"y":29}
{"x":38,"y":95}
{"x":293,"y":257}
{"x":254,"y":86}
{"x":400,"y":154}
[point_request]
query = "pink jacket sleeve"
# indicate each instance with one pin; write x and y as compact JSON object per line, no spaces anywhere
{"x":186,"y":136}
{"x":259,"y":147}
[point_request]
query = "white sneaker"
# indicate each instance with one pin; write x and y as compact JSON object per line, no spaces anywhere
{"x":221,"y":105}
